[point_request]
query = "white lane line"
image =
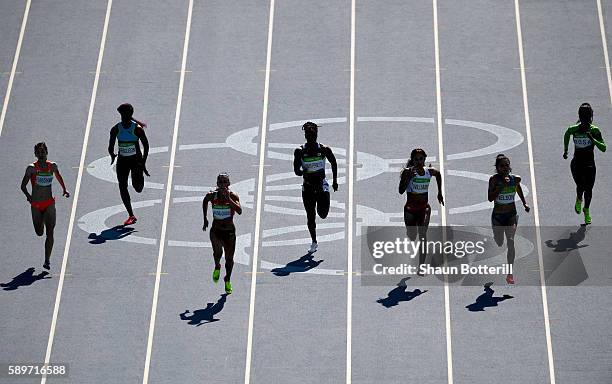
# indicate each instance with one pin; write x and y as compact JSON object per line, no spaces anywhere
{"x":162,"y":240}
{"x":75,"y":196}
{"x":7,"y":96}
{"x":258,"y":203}
{"x":349,"y":214}
{"x":449,"y":349}
{"x":604,"y":43}
{"x":534,"y":194}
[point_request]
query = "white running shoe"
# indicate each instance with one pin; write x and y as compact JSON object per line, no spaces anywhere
{"x":313,"y":248}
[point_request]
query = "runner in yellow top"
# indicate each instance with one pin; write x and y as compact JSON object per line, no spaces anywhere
{"x":222,"y":231}
{"x":502,"y":187}
{"x":40,"y":174}
{"x":586,"y":137}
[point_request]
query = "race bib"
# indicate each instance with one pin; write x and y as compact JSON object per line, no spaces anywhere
{"x":582,"y":142}
{"x":313,"y":165}
{"x":506,"y":196}
{"x":127,"y":149}
{"x":221,"y":212}
{"x":44,"y":179}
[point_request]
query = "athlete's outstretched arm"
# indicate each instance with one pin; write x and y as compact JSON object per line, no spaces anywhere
{"x":24,"y":183}
{"x":297,"y":162}
{"x":235,"y":203}
{"x":60,"y":180}
{"x":111,"y":143}
{"x":438,"y":177}
{"x":519,"y":191}
{"x":334,"y":165}
{"x":205,"y":209}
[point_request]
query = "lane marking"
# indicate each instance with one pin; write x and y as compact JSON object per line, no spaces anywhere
{"x":449,"y":354}
{"x":349,"y":215}
{"x":258,"y":202}
{"x":162,"y":240}
{"x":536,"y":212}
{"x":75,"y":196}
{"x":604,"y":43}
{"x":9,"y":87}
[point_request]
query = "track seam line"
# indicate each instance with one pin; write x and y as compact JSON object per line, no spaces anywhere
{"x":349,"y":217}
{"x":536,"y":213}
{"x":58,"y":295}
{"x":258,"y":202}
{"x":604,"y":43}
{"x":9,"y":87}
{"x":162,"y":241}
{"x":447,"y":318}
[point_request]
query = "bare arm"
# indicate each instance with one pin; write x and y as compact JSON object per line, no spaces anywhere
{"x":519,"y":191}
{"x":235,"y":203}
{"x":405,"y":177}
{"x":205,"y":209}
{"x":334,"y":165}
{"x":494,"y":189}
{"x":438,"y":177}
{"x":145,"y":142}
{"x":25,"y":181}
{"x":60,"y":179}
{"x":297,"y":162}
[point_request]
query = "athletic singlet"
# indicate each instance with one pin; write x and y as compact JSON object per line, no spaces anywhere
{"x":506,"y":196}
{"x":221,"y":208}
{"x":419,"y":184}
{"x":128,"y":141}
{"x":42,"y":177}
{"x":583,"y":145}
{"x":313,"y":164}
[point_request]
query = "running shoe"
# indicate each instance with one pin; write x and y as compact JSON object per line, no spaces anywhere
{"x":228,"y":287}
{"x":510,"y":279}
{"x":216,"y":274}
{"x":130,"y":220}
{"x":313,"y":248}
{"x":587,"y":216}
{"x":578,"y":206}
{"x":46,"y":265}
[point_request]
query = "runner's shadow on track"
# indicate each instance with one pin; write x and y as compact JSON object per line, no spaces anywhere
{"x":572,"y":242}
{"x":487,"y":300}
{"x":115,"y":233}
{"x":206,"y":315}
{"x":25,"y":278}
{"x":303,"y":264}
{"x":399,"y":294}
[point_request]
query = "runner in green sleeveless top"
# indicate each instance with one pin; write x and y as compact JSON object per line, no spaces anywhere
{"x":586,"y":137}
{"x":222,"y":231}
{"x":502,"y":187}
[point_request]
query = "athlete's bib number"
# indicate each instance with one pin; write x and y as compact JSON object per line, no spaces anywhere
{"x":127,"y":149}
{"x":221,"y":213}
{"x":505,"y":198}
{"x":582,"y":142}
{"x":313,"y":166}
{"x":43,"y":180}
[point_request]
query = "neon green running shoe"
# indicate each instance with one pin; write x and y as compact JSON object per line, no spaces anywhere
{"x":216,"y":274}
{"x":587,"y":216}
{"x":578,"y":206}
{"x":228,"y":287}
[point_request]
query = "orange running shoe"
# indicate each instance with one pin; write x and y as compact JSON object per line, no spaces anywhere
{"x":130,"y":220}
{"x":510,"y":279}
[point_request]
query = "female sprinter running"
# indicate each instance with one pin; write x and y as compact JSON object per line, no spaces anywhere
{"x":40,"y":174}
{"x":414,"y":180}
{"x":502,"y":187}
{"x":586,"y":137}
{"x":222,"y":231}
{"x":131,"y":160}
{"x":309,"y":162}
